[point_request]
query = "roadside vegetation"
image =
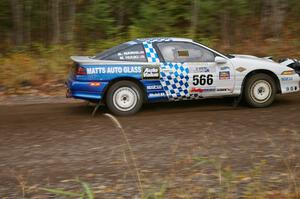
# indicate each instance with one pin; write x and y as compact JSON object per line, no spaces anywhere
{"x":228,"y":184}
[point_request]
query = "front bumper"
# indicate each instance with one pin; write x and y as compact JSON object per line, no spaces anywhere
{"x":289,"y":83}
{"x":84,"y":90}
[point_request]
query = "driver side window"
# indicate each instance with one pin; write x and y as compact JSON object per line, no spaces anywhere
{"x":185,"y":52}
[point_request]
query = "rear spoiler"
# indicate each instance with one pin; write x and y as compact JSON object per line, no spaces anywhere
{"x":90,"y":60}
{"x":81,"y":58}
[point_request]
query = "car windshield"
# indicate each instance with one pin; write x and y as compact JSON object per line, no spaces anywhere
{"x":110,"y":51}
{"x":230,"y":56}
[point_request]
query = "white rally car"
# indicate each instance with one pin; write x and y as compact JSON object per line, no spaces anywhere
{"x":174,"y":69}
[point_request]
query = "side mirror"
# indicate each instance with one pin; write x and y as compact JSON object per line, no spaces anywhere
{"x":220,"y":60}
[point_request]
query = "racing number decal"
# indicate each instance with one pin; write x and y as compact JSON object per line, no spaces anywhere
{"x":203,"y":79}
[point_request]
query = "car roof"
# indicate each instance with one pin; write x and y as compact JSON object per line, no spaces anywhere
{"x":160,"y":39}
{"x":138,"y":41}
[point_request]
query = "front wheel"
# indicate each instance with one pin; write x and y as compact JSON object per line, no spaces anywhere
{"x":124,"y":98}
{"x":260,"y":91}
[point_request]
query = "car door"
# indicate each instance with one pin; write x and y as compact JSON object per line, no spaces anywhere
{"x":192,"y":71}
{"x":210,"y":75}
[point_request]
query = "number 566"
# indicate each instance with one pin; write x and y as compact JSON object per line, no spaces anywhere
{"x":203,"y":79}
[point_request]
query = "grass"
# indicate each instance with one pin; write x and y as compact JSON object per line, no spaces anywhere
{"x":86,"y":192}
{"x":131,"y":154}
{"x":247,"y":184}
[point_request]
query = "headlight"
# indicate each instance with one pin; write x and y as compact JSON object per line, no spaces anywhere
{"x":288,"y":72}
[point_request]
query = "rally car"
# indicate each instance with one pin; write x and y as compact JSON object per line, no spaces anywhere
{"x":173,"y":69}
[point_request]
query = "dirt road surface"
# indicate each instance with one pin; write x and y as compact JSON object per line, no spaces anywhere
{"x":194,"y":149}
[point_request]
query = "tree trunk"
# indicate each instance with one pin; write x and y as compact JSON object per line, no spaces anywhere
{"x":121,"y":14}
{"x":272,"y":17}
{"x":70,"y":24}
{"x":278,"y":15}
{"x":27,"y":28}
{"x":264,"y":19}
{"x":55,"y":21}
{"x":225,"y":28}
{"x":194,"y":18}
{"x":17,"y":14}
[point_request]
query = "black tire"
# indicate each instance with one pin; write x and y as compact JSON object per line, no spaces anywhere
{"x":260,"y":90}
{"x":123,"y":92}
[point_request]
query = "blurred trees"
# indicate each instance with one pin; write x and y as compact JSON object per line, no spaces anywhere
{"x":17,"y":18}
{"x":55,"y":21}
{"x":83,"y":22}
{"x":273,"y":12}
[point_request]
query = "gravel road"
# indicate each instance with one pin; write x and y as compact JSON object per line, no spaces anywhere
{"x":194,"y":149}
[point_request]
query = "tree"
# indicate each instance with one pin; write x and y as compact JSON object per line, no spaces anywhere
{"x":70,"y":22}
{"x":194,"y":18}
{"x":17,"y":15}
{"x":82,"y":22}
{"x":163,"y":17}
{"x":27,"y":22}
{"x":225,"y":27}
{"x":94,"y":20}
{"x":55,"y":22}
{"x":272,"y":17}
{"x":278,"y":15}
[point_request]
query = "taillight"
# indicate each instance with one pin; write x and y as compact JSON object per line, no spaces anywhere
{"x":80,"y":71}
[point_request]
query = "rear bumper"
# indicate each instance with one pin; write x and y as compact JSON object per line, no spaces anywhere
{"x":84,"y":90}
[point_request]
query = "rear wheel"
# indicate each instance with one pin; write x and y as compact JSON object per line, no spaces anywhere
{"x":124,"y":98}
{"x":260,"y":90}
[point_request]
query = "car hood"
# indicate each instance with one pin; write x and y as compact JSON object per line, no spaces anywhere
{"x":251,"y":57}
{"x":251,"y":63}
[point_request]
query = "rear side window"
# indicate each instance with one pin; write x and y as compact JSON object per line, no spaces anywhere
{"x":133,"y":53}
{"x":112,"y":50}
{"x":185,"y":52}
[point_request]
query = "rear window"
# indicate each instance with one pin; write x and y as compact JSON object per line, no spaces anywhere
{"x":133,"y":53}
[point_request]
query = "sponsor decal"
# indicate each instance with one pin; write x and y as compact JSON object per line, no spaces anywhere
{"x":224,"y":68}
{"x":131,"y":55}
{"x":224,"y":75}
{"x":201,"y":70}
{"x":287,"y":79}
{"x":201,"y":90}
{"x":154,"y":87}
{"x":240,"y":69}
{"x":150,"y":72}
{"x":223,"y":89}
{"x":183,"y":53}
{"x":113,"y":70}
{"x":157,"y":95}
